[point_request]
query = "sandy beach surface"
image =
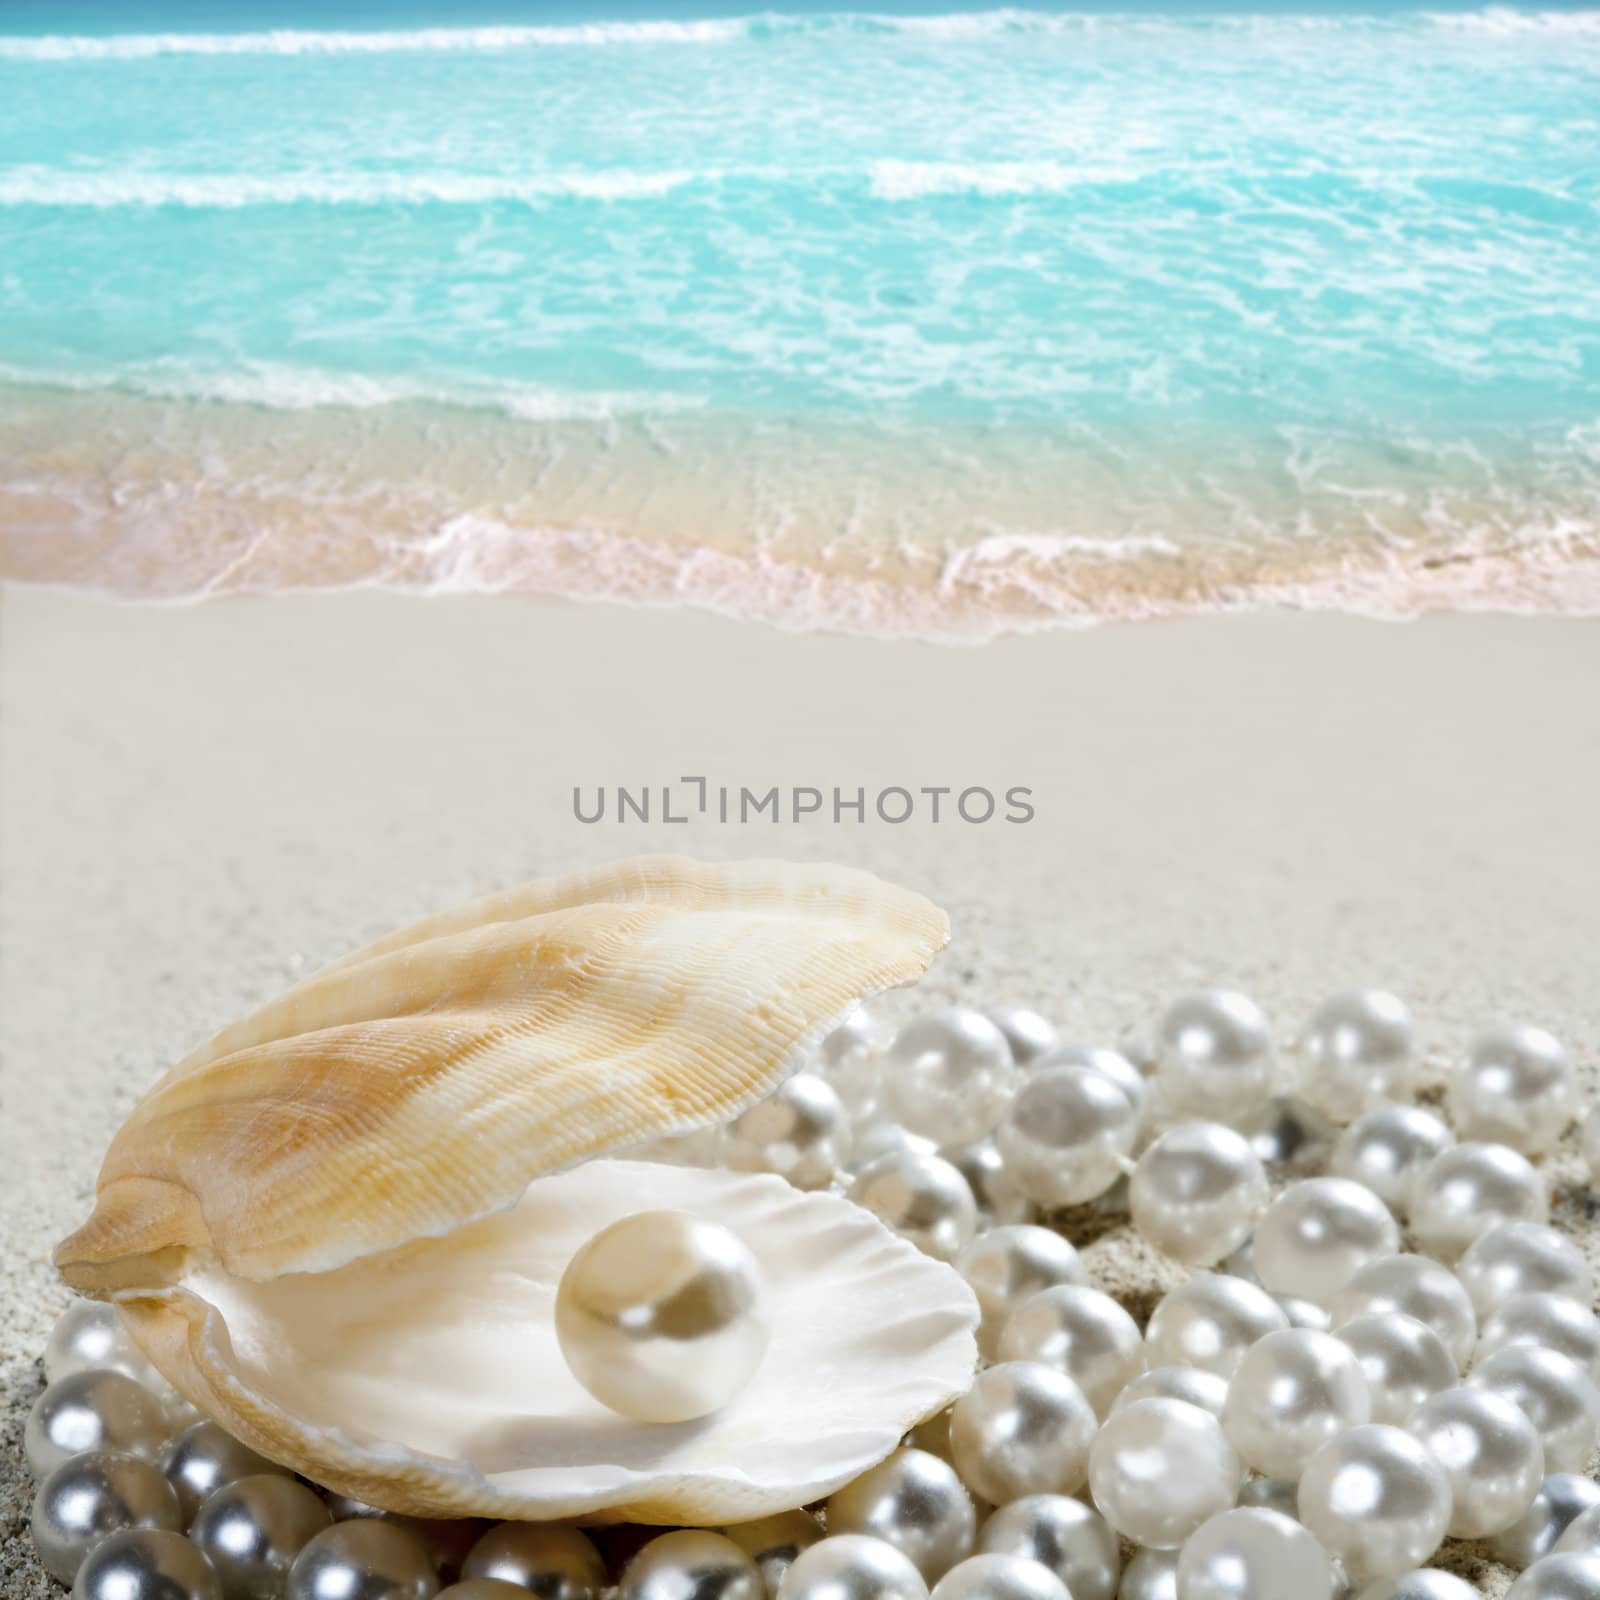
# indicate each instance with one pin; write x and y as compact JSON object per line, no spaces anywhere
{"x":199,"y":805}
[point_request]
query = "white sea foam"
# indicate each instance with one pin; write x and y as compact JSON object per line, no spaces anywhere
{"x":917,"y":180}
{"x":1502,"y":21}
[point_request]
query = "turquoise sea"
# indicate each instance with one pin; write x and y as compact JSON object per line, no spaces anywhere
{"x":905,"y":321}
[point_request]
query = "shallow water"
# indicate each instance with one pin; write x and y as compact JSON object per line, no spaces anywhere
{"x":932,"y":323}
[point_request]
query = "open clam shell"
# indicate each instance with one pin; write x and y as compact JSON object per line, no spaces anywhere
{"x":339,"y":1226}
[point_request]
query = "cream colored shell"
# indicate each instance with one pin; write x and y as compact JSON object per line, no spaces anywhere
{"x":313,"y":1225}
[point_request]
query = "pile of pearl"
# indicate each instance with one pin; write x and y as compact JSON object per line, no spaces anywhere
{"x":1373,"y":1342}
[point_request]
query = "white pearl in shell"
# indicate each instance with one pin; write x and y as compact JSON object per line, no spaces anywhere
{"x":801,"y":1131}
{"x":1072,"y":1540}
{"x":1161,"y":1468}
{"x":366,"y":1559}
{"x":1377,"y":1500}
{"x":915,"y":1502}
{"x":1489,"y":1450}
{"x":1467,"y":1190}
{"x":1387,"y":1148}
{"x":1357,"y":1052}
{"x":1007,"y":1265}
{"x":1197,"y":1191}
{"x":662,"y":1316}
{"x":1065,"y":1134}
{"x":1559,"y":1577}
{"x":1207,"y":1390}
{"x":1519,"y":1258}
{"x":1412,"y":1286}
{"x":922,"y":1198}
{"x":1080,"y":1332}
{"x":1021,"y":1429}
{"x":89,"y":1497}
{"x":1551,"y":1321}
{"x":146,"y":1564}
{"x":1317,"y":1234}
{"x":1404,"y":1360}
{"x":998,"y":1577}
{"x":949,"y":1075}
{"x":1563,"y":1497}
{"x":1516,"y":1087}
{"x":92,"y":1410}
{"x":1209,"y":1322}
{"x":1253,"y":1554}
{"x":1029,"y":1034}
{"x":852,"y":1566}
{"x":691,"y":1564}
{"x":1292,"y":1393}
{"x":1214,"y":1054}
{"x":1558,"y":1396}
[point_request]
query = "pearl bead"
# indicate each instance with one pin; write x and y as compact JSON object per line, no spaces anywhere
{"x":367,"y":1559}
{"x":1551,"y":1321}
{"x":1073,"y":1541}
{"x":448,"y":1540}
{"x":877,"y":1137}
{"x":801,"y":1131}
{"x":92,"y":1496}
{"x":1006,"y":1266}
{"x":1022,"y":1428}
{"x":1516,"y":1087}
{"x":949,"y":1075}
{"x":1161,"y":1468}
{"x":1519,"y":1258}
{"x":91,"y":1410}
{"x":1426,"y":1583}
{"x":482,"y":1589}
{"x":994,"y":1188}
{"x":691,"y":1564}
{"x":1386,"y":1149}
{"x":1288,"y":1135}
{"x":1490,"y":1452}
{"x":1413,"y":1286}
{"x":1110,"y":1064}
{"x":662,"y":1316}
{"x":1253,"y":1554}
{"x":1029,"y":1035}
{"x":1357,"y":1052}
{"x":1080,"y":1332}
{"x":1404,"y":1360}
{"x":146,"y":1564}
{"x":1563,"y":1497}
{"x":1317,"y":1234}
{"x":1150,"y":1575}
{"x":923,"y":1199}
{"x":997,"y":1577}
{"x":253,"y":1528}
{"x":1214,"y":1054}
{"x":852,"y":1567}
{"x":1582,"y":1535}
{"x":554,"y":1562}
{"x":1065,"y":1134}
{"x":1209,"y":1322}
{"x":1293,"y":1392}
{"x":1469,"y":1189}
{"x":1204,"y":1389}
{"x":1302,"y":1314}
{"x":1377,"y":1500}
{"x":849,"y":1058}
{"x":1559,"y":1397}
{"x":915,"y":1502}
{"x":202,"y":1458}
{"x":1559,"y":1577}
{"x":1197,"y":1191}
{"x":89,"y":1334}
{"x":774,"y":1543}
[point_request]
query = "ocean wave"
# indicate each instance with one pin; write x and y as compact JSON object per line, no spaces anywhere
{"x":921,"y":180}
{"x":1503,"y":21}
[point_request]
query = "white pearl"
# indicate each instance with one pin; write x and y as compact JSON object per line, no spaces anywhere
{"x":556,"y":1562}
{"x":850,"y":1058}
{"x":92,"y":1410}
{"x":662,"y":1316}
{"x":1073,"y":1541}
{"x":1551,"y":1321}
{"x":1293,"y":1392}
{"x":1080,"y":1332}
{"x":1490,"y":1452}
{"x":1207,"y":1390}
{"x":915,"y":1502}
{"x":1582,"y":1535}
{"x":1559,"y":1577}
{"x":877,"y":1137}
{"x":1251,"y":1554}
{"x":1161,"y":1468}
{"x":1303,"y":1314}
{"x":146,"y":1564}
{"x":202,"y":1458}
{"x":1150,"y":1575}
{"x":801,"y":1131}
{"x":949,"y":1075}
{"x":253,"y":1528}
{"x":1108,"y":1063}
{"x":774,"y":1543}
{"x":1425,"y":1583}
{"x":852,"y":1567}
{"x":1404,"y":1360}
{"x":1314,"y":1237}
{"x":1214,"y":1051}
{"x":997,"y":1577}
{"x":1412,"y":1286}
{"x":1209,"y":1322}
{"x":1387,"y":1148}
{"x":1065,"y":1133}
{"x":1516,"y":1087}
{"x":1376,"y":1499}
{"x":994,"y":1188}
{"x":368,"y":1558}
{"x":1029,"y":1034}
{"x":691,"y":1564}
{"x":90,"y":1334}
{"x":923,"y":1198}
{"x":1022,"y":1428}
{"x":1519,"y":1258}
{"x":1008,"y":1265}
{"x":91,"y":1496}
{"x":1469,"y":1189}
{"x":1559,"y":1397}
{"x":1563,"y":1497}
{"x":1357,"y":1053}
{"x":1197,"y":1191}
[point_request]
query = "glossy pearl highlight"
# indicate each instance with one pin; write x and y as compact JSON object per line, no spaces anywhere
{"x":1161,"y":1468}
{"x":1293,"y":1392}
{"x":253,"y":1528}
{"x":545,"y":1558}
{"x":997,"y":1577}
{"x":91,"y":1410}
{"x":1252,"y":1554}
{"x":1065,"y":1134}
{"x":367,"y":1559}
{"x":1516,"y":1088}
{"x":90,"y":1497}
{"x":1469,"y":1189}
{"x":1080,"y":1332}
{"x":1214,"y":1054}
{"x":1387,"y":1148}
{"x":949,"y":1075}
{"x":913,"y":1501}
{"x":204,"y":1457}
{"x":922,"y":1198}
{"x":1197,"y":1191}
{"x":852,"y":1567}
{"x":1557,"y":1395}
{"x":1030,"y":1035}
{"x":801,"y":1131}
{"x":146,"y":1564}
{"x":1074,"y":1541}
{"x":1021,"y":1429}
{"x":1357,"y":1052}
{"x":1523,"y":1258}
{"x":1007,"y":1265}
{"x":1209,"y":1322}
{"x":1405,"y":1362}
{"x":1412,"y":1286}
{"x":1550,"y":1321}
{"x":662,"y":1316}
{"x":1204,"y":1389}
{"x":1563,"y":1497}
{"x":1317,"y":1234}
{"x":691,"y":1564}
{"x":1491,"y":1453}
